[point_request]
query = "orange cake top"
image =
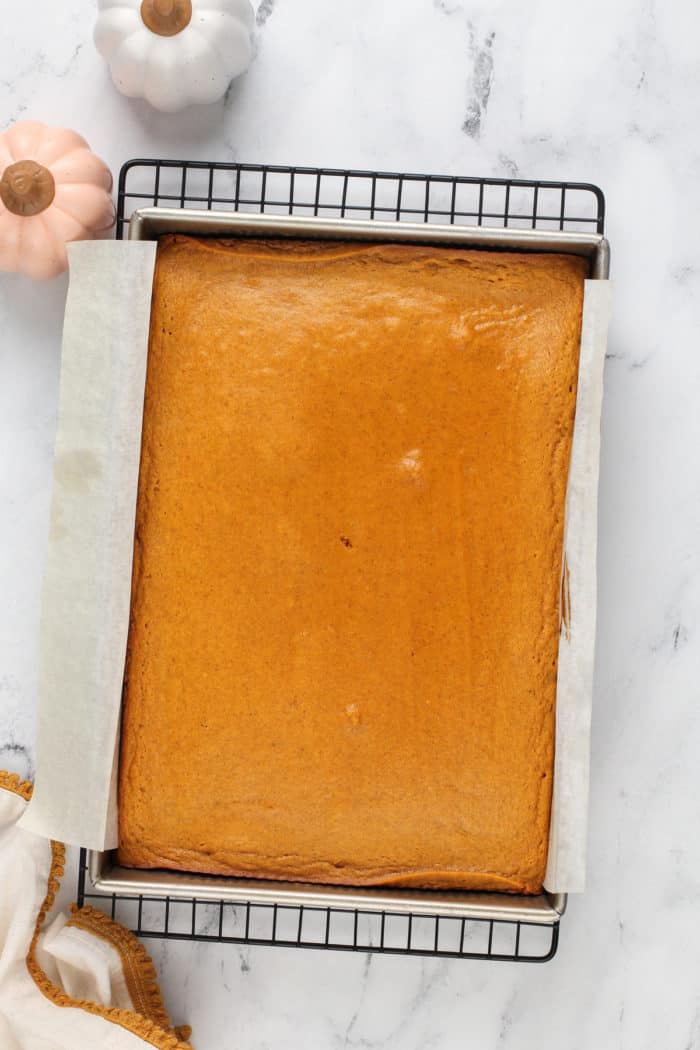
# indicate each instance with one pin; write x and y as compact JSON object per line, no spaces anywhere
{"x":345,"y":613}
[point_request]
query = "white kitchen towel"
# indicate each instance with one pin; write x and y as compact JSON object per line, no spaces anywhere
{"x":76,"y":982}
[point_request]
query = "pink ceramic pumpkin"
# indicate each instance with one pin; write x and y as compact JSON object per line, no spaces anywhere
{"x":53,"y":189}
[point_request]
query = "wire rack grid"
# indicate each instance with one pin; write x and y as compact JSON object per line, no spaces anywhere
{"x":345,"y":193}
{"x":327,"y":192}
{"x":303,"y":926}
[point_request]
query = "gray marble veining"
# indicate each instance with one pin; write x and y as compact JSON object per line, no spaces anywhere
{"x":603,"y":92}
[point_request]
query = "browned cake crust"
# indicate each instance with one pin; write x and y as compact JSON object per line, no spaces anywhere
{"x":345,"y":614}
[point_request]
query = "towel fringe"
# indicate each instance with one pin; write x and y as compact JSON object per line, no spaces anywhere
{"x":162,"y":1037}
{"x":151,"y":1023}
{"x":139,"y":971}
{"x":11,"y":782}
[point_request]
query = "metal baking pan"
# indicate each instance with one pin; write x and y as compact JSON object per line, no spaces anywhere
{"x":106,"y":875}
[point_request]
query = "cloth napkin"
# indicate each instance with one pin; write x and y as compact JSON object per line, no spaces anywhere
{"x":68,"y":982}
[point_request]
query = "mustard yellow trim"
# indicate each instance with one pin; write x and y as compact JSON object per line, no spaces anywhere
{"x":139,"y":971}
{"x":143,"y":1027}
{"x":153,"y":1024}
{"x":11,"y":782}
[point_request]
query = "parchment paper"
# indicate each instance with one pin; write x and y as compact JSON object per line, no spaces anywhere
{"x":86,"y":597}
{"x":566,"y":861}
{"x":87,"y":582}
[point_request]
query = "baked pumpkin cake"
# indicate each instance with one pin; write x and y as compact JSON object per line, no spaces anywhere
{"x":345,"y":616}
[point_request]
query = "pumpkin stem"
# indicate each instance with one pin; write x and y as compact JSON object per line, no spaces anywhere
{"x":27,"y":188}
{"x":166,"y":17}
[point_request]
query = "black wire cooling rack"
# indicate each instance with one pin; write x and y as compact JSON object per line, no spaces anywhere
{"x":340,"y":193}
{"x":311,"y":926}
{"x":329,"y":192}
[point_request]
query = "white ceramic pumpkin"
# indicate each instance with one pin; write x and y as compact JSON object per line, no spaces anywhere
{"x":53,"y":189}
{"x":174,"y":52}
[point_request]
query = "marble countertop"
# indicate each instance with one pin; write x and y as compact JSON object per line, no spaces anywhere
{"x":608,"y":93}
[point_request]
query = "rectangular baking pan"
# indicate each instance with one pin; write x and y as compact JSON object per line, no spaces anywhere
{"x":106,"y":875}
